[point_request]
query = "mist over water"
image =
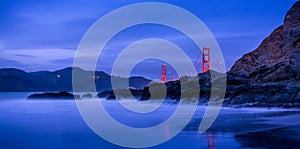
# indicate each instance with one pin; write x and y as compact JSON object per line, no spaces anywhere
{"x":58,"y":124}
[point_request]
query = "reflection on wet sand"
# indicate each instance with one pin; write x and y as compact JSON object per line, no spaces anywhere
{"x":211,"y":141}
{"x":287,"y":137}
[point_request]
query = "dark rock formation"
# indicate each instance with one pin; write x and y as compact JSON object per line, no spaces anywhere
{"x":277,"y":59}
{"x":169,"y":90}
{"x":174,"y":89}
{"x":120,"y":94}
{"x":269,"y":76}
{"x":88,"y":95}
{"x":111,"y":97}
{"x":252,"y":95}
{"x":60,"y":95}
{"x":105,"y":94}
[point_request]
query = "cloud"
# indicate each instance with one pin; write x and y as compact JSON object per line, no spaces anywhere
{"x":2,"y":45}
{"x":36,"y":56}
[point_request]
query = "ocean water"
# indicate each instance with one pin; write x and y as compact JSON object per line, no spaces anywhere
{"x":49,"y":124}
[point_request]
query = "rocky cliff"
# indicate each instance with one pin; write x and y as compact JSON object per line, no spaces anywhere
{"x":269,"y":76}
{"x":277,"y":59}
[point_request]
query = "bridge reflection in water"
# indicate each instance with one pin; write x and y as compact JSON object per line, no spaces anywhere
{"x":211,"y":141}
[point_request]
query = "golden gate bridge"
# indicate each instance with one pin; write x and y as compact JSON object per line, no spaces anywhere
{"x":205,"y":64}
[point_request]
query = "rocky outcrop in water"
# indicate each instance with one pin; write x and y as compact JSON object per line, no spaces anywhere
{"x":120,"y":94}
{"x":59,"y":95}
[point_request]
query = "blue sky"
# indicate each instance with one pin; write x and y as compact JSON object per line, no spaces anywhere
{"x":43,"y":35}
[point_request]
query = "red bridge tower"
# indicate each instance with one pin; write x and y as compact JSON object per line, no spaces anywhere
{"x":163,"y":73}
{"x":206,"y":59}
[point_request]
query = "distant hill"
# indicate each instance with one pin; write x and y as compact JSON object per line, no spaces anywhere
{"x":15,"y":80}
